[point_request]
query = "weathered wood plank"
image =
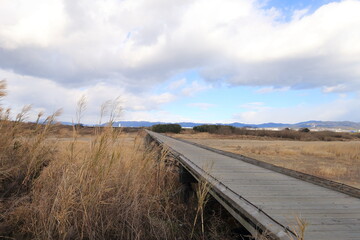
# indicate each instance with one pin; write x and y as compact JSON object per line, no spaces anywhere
{"x":327,"y":212}
{"x":313,"y":200}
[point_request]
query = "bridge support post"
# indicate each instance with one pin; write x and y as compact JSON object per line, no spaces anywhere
{"x":186,"y":179}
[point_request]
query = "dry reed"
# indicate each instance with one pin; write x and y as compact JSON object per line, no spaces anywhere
{"x":104,"y":187}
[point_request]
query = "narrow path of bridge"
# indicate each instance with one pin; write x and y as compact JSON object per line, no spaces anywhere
{"x":263,"y":199}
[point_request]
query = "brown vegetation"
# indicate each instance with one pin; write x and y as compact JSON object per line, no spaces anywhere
{"x":101,"y":185}
{"x":303,"y":134}
{"x":109,"y":186}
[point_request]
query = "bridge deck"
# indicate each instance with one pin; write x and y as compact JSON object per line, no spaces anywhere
{"x":268,"y":200}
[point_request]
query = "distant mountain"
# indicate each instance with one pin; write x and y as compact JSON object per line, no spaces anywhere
{"x":135,"y":123}
{"x":67,"y":123}
{"x":192,"y":124}
{"x":327,"y":124}
{"x":149,"y":124}
{"x":71,"y":124}
{"x":345,"y":125}
{"x":262,"y":125}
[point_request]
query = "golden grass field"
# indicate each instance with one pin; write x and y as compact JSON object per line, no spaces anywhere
{"x":335,"y":160}
{"x":102,"y":186}
{"x":59,"y":182}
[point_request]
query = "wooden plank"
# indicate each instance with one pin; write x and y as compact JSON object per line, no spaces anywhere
{"x":350,"y":222}
{"x":333,"y":215}
{"x":332,"y":235}
{"x":297,"y":207}
{"x":301,"y":188}
{"x":332,"y":211}
{"x":283,"y":192}
{"x":284,"y":199}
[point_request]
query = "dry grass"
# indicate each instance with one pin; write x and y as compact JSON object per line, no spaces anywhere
{"x":108,"y":186}
{"x":2,"y":89}
{"x":104,"y":184}
{"x":100,"y":187}
{"x":107,"y":192}
{"x":202,"y":193}
{"x":338,"y":161}
{"x":290,"y":134}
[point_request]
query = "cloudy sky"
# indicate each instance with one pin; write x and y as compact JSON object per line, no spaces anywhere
{"x":249,"y":61}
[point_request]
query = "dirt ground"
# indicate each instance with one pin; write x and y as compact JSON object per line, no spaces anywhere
{"x":337,"y":161}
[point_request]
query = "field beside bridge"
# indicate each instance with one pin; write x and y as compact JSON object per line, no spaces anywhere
{"x":334,"y":160}
{"x":59,"y":182}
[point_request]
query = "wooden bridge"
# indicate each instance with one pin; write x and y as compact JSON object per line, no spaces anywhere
{"x":266,"y":198}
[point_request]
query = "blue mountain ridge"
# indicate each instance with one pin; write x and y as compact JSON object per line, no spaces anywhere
{"x":308,"y":124}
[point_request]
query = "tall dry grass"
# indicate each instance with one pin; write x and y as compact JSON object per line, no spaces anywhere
{"x":97,"y":190}
{"x":21,"y":157}
{"x":104,"y":191}
{"x":2,"y":89}
{"x":202,"y":194}
{"x":105,"y":187}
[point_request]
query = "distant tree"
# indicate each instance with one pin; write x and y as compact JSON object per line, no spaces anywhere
{"x":79,"y":125}
{"x":304,"y":130}
{"x":219,"y":129}
{"x":163,"y":128}
{"x":206,"y":128}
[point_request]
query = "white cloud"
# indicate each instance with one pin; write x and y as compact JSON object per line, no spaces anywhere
{"x":272,"y":89}
{"x":35,"y":23}
{"x":139,"y":43}
{"x":162,"y":98}
{"x":337,"y":88}
{"x":177,"y":84}
{"x":298,"y":14}
{"x":44,"y":94}
{"x":202,"y":106}
{"x":194,"y":88}
{"x":154,"y":116}
{"x":254,"y":106}
{"x":340,"y":109}
{"x":61,"y":49}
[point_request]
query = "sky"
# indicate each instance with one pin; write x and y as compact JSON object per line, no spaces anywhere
{"x":213,"y":61}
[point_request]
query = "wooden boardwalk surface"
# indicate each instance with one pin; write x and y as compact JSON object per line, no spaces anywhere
{"x":262,"y":199}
